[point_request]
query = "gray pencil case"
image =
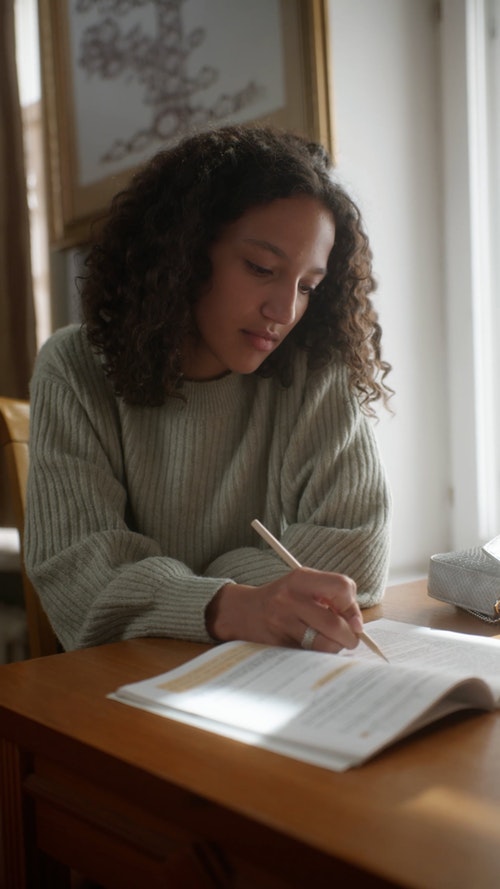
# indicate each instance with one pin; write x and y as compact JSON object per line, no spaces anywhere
{"x":469,"y":579}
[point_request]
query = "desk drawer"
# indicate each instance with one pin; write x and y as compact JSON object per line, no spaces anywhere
{"x":112,"y":840}
{"x":146,"y":832}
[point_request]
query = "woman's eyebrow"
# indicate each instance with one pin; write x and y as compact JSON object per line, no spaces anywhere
{"x":267,"y":245}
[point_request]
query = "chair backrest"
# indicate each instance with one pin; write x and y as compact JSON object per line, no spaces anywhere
{"x":14,"y":460}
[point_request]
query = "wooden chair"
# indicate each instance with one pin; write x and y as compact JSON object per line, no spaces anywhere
{"x":14,"y":461}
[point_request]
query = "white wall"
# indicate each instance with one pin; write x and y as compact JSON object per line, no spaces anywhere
{"x":386,"y":83}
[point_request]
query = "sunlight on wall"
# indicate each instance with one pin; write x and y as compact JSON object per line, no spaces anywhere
{"x":28,"y":64}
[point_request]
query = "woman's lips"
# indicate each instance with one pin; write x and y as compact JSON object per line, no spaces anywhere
{"x":261,"y":341}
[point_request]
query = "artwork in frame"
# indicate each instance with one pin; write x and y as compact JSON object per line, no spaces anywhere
{"x":122,"y":79}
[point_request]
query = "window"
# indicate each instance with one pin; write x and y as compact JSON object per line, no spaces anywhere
{"x":471,"y":129}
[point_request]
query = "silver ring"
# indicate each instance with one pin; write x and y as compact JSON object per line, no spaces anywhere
{"x":308,"y":638}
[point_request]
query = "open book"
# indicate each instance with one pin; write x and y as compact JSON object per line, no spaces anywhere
{"x":335,"y":711}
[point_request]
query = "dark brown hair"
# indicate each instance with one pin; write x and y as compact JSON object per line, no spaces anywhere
{"x":150,"y":260}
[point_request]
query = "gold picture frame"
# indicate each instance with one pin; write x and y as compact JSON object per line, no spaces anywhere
{"x":81,"y":103}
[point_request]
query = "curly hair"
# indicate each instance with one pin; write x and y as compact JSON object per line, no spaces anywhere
{"x":149,"y":261}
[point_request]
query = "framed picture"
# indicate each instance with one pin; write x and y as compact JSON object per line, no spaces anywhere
{"x":122,"y":80}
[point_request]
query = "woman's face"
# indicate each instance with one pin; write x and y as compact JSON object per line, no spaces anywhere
{"x":265,"y":267}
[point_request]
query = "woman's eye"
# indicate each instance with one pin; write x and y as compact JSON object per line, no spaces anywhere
{"x":306,"y":289}
{"x":257,"y":269}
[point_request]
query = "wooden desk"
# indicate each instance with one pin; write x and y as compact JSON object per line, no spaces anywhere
{"x":133,"y":800}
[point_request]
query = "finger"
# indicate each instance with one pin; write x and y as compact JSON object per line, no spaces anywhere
{"x":353,"y":620}
{"x":333,"y":633}
{"x":351,"y":611}
{"x":333,"y":627}
{"x":327,"y":646}
{"x":322,"y":643}
{"x":337,"y":590}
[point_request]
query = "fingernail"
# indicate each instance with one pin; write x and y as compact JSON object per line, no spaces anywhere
{"x":357,"y":625}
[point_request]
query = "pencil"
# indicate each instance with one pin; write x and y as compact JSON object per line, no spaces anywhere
{"x":292,"y":562}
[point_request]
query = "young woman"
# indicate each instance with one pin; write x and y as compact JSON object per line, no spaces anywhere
{"x":225,"y":370}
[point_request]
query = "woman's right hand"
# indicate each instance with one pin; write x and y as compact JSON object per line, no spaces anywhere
{"x":279,"y":612}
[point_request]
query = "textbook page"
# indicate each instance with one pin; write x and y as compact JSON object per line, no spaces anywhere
{"x":457,"y":653}
{"x":316,"y":707}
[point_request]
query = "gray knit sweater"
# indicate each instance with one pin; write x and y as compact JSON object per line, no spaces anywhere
{"x":137,"y":516}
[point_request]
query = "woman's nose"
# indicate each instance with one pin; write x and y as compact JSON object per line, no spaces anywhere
{"x":281,"y":305}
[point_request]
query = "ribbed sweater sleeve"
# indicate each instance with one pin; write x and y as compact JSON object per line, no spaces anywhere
{"x":99,"y":580}
{"x":137,"y":516}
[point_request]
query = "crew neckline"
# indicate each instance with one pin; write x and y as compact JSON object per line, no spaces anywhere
{"x":216,"y":395}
